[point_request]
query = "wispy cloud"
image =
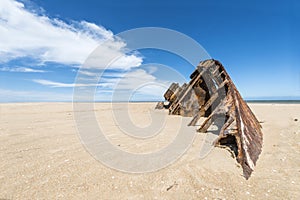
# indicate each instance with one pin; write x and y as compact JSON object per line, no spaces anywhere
{"x":22,"y":69}
{"x":53,"y":83}
{"x":64,"y":85}
{"x":25,"y":33}
{"x":32,"y":95}
{"x":87,"y":73}
{"x":128,"y":81}
{"x":136,"y":82}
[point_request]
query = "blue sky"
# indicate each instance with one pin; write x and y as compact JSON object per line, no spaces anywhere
{"x":43,"y":43}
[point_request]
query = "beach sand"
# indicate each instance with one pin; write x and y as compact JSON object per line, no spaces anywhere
{"x":41,"y":157}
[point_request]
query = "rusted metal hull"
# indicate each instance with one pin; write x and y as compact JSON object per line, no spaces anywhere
{"x":212,"y":94}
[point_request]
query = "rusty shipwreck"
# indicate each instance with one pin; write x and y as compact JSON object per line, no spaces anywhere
{"x":211,"y":94}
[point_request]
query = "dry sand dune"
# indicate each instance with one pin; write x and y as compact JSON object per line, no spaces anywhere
{"x":41,"y":157}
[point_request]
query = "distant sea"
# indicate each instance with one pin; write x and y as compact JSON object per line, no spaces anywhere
{"x":275,"y":101}
{"x":248,"y":101}
{"x":153,"y":101}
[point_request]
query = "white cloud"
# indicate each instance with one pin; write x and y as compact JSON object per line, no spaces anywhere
{"x":115,"y":81}
{"x":134,"y":79}
{"x":152,"y":69}
{"x":53,"y":83}
{"x":138,"y":83}
{"x":25,"y":33}
{"x":65,"y":85}
{"x":127,"y":81}
{"x":28,"y":34}
{"x":22,"y":69}
{"x":23,"y":96}
{"x":87,"y":73}
{"x":110,"y":55}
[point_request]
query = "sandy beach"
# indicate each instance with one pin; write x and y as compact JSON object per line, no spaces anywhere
{"x":41,"y":157}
